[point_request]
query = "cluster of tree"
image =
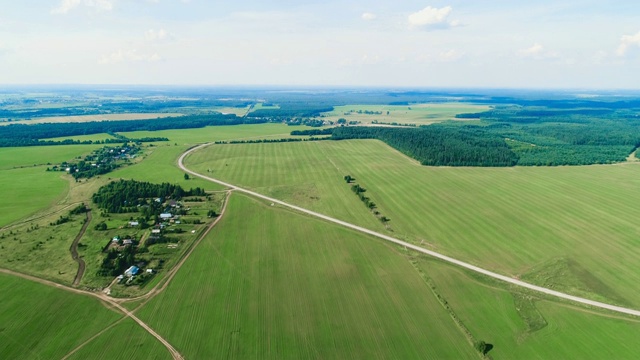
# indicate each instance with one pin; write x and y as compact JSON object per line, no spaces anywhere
{"x":393,"y":123}
{"x":35,"y":142}
{"x":291,"y":110}
{"x":438,"y":145}
{"x":116,"y":262}
{"x":359,"y":191}
{"x":44,"y":131}
{"x":99,"y":162}
{"x":132,"y":196}
{"x":61,"y":220}
{"x":80,"y":209}
{"x":314,"y":132}
{"x":366,"y":112}
{"x":304,"y":121}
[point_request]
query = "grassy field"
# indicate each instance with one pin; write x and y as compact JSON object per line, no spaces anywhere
{"x":269,"y":283}
{"x":403,"y":114}
{"x":41,"y":322}
{"x":125,"y":341}
{"x":41,"y":155}
{"x":88,"y":118}
{"x":93,"y":137}
{"x":571,"y":228}
{"x":519,"y":327}
{"x":23,"y":192}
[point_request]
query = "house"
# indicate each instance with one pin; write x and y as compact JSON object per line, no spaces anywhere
{"x":155,"y":231}
{"x":131,"y":271}
{"x":115,"y":239}
{"x":133,"y":223}
{"x":149,"y":271}
{"x":165,"y":216}
{"x":127,"y":242}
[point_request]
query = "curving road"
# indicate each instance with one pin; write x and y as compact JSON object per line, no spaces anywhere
{"x":448,"y":259}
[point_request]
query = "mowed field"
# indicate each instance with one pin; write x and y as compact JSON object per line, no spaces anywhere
{"x":519,"y":327}
{"x":573,"y":229}
{"x":89,"y":118}
{"x":421,"y":114}
{"x":272,"y":284}
{"x":12,"y":157}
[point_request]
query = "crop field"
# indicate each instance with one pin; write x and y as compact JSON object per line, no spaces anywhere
{"x":23,"y":195}
{"x":571,"y":228}
{"x":127,"y":340}
{"x":519,"y":328}
{"x":269,"y":283}
{"x":420,"y":114}
{"x":88,"y":118}
{"x":41,"y":322}
{"x":93,"y":137}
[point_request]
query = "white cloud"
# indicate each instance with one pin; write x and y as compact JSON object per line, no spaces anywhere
{"x":128,"y":56}
{"x":450,"y":55}
{"x":533,"y":51}
{"x":626,"y":42}
{"x":67,"y":5}
{"x":369,"y":16}
{"x":157,"y":35}
{"x":431,"y":17}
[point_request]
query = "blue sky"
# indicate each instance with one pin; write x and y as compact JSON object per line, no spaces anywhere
{"x":541,"y":44}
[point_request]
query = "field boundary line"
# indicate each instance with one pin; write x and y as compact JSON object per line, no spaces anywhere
{"x":434,"y":254}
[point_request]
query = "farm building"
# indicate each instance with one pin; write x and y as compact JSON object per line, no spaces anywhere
{"x":131,"y":271}
{"x":165,"y":216}
{"x":133,"y":223}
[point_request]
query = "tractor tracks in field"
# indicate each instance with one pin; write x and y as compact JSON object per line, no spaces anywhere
{"x":407,"y":245}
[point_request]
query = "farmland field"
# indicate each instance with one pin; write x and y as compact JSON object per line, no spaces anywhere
{"x":41,"y":322}
{"x":571,"y":228}
{"x":88,"y":118}
{"x":11,"y":157}
{"x":403,"y":114}
{"x":521,"y":329}
{"x":270,"y":283}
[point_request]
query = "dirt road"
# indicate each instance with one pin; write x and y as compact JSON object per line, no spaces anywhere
{"x":448,"y":259}
{"x":74,"y":250}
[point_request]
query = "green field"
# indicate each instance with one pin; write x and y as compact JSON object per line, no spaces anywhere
{"x":41,"y":322}
{"x":269,"y":283}
{"x":403,"y":114}
{"x":12,"y":157}
{"x":23,"y":193}
{"x":521,"y":221}
{"x":519,"y":328}
{"x":93,"y":137}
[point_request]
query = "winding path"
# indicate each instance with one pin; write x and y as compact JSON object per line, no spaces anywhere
{"x":448,"y":259}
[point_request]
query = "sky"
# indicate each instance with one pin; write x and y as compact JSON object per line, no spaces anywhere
{"x":558,"y":44}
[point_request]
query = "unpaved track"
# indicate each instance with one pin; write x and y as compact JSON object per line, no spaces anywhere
{"x":74,"y":250}
{"x":448,"y":259}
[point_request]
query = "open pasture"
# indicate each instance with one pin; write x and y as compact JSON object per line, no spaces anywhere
{"x":269,"y":283}
{"x":520,"y":327}
{"x":516,"y":221}
{"x":89,"y":118}
{"x":42,"y":322}
{"x":420,"y":114}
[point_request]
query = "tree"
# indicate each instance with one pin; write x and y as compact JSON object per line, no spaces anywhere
{"x":186,"y":176}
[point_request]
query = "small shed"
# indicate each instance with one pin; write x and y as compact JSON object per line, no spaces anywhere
{"x":131,"y":271}
{"x":134,"y":223}
{"x":165,"y":216}
{"x":127,"y":242}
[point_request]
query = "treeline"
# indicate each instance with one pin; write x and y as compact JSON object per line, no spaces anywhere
{"x":314,"y":132}
{"x":438,"y":145}
{"x":291,"y":110}
{"x":44,"y":131}
{"x":128,"y":195}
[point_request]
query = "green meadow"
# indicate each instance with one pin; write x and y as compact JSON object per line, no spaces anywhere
{"x":12,"y":157}
{"x":574,"y":229}
{"x":420,"y":114}
{"x":269,"y":283}
{"x":521,"y":327}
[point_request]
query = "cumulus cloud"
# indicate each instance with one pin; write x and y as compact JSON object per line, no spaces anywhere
{"x":539,"y":52}
{"x":626,"y":42}
{"x":450,"y":55}
{"x":369,"y":16}
{"x":431,"y":17}
{"x":128,"y":56}
{"x":67,"y":5}
{"x":535,"y":50}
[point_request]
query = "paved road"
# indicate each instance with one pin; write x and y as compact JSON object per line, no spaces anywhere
{"x":448,"y":259}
